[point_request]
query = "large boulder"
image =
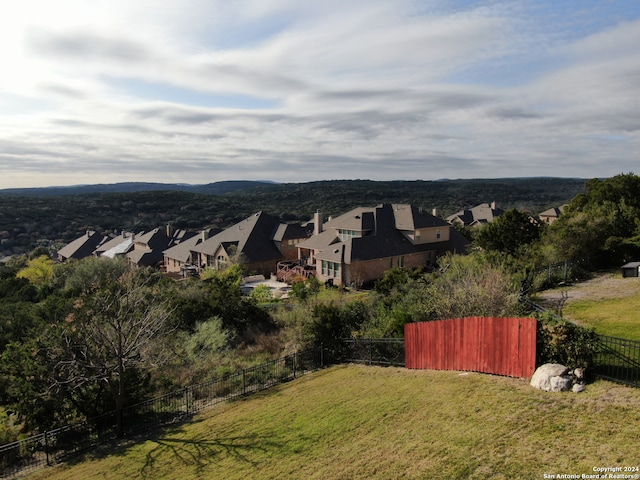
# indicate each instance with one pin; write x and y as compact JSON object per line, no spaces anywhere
{"x":552,"y":377}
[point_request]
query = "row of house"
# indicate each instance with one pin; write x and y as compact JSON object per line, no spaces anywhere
{"x":351,"y":249}
{"x":141,"y":249}
{"x":487,"y":212}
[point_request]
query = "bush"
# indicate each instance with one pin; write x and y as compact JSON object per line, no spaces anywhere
{"x":564,"y":342}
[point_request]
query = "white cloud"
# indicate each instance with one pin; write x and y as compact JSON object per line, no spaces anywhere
{"x":204,"y":90}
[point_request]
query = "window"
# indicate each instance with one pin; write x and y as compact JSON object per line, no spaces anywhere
{"x":330,"y":269}
{"x":400,"y":261}
{"x":438,"y":233}
{"x":221,"y":262}
{"x":347,"y":234}
{"x":417,"y":235}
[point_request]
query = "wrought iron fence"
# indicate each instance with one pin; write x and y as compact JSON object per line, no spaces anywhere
{"x":618,"y":360}
{"x":36,"y":452}
{"x":371,"y":351}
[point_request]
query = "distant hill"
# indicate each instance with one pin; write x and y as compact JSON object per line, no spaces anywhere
{"x":334,"y":197}
{"x":216,"y":188}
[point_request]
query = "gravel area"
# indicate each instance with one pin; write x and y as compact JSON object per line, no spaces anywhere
{"x":602,"y":286}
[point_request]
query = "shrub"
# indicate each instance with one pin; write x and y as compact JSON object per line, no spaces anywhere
{"x":564,"y":342}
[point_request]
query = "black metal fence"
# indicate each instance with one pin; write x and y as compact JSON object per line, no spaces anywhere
{"x":618,"y":360}
{"x":371,"y":351}
{"x":39,"y":451}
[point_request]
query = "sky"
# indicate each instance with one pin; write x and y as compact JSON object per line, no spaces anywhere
{"x":199,"y":91}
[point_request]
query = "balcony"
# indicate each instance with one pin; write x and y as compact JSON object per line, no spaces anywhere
{"x":288,"y":270}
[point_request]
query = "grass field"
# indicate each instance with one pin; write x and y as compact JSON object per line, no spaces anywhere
{"x":607,"y":302}
{"x":616,"y":317}
{"x":357,"y":422}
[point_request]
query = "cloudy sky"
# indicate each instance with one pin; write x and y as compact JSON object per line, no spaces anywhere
{"x":197,"y":91}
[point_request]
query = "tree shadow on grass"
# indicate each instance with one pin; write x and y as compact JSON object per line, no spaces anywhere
{"x":198,"y":454}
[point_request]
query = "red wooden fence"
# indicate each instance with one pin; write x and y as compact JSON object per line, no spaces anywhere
{"x":504,"y":346}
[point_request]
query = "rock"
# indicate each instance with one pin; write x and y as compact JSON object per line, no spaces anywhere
{"x":551,"y":377}
{"x":561,"y":383}
{"x":578,"y":387}
{"x":579,"y":373}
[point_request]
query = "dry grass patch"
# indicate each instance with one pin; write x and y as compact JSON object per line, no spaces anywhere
{"x":355,"y":422}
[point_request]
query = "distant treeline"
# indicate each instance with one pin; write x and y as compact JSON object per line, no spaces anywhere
{"x":38,"y":217}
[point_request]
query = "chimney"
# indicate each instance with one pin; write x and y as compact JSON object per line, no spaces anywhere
{"x":435,"y":212}
{"x":318,"y":220}
{"x":169,"y":230}
{"x":493,"y":205}
{"x":204,"y":234}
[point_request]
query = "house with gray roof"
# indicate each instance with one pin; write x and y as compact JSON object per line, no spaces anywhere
{"x":179,"y":258}
{"x":362,"y":244}
{"x":148,"y":248}
{"x":116,"y":246}
{"x":81,"y":247}
{"x":551,"y":215}
{"x":258,"y":242}
{"x":476,"y":216}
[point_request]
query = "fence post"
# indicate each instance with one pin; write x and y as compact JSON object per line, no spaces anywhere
{"x":370,"y":351}
{"x":46,"y":448}
{"x":294,"y":364}
{"x":186,"y":399}
{"x":244,"y":381}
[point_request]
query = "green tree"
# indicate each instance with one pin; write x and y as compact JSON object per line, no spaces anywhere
{"x":510,"y":233}
{"x":88,"y":275}
{"x":240,"y":315}
{"x":331,"y":322}
{"x":604,"y":221}
{"x":39,"y":271}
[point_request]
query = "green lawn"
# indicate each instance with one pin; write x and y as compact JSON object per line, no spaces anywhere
{"x":357,"y":422}
{"x":616,"y":317}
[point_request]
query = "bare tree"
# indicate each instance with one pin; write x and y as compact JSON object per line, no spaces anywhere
{"x":110,"y":330}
